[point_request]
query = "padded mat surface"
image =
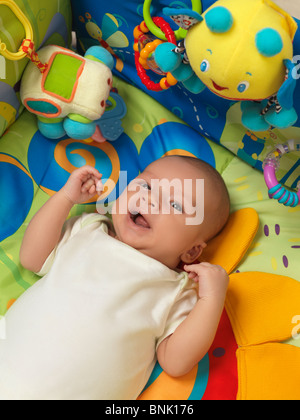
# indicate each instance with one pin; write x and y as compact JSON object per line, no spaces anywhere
{"x":32,"y":168}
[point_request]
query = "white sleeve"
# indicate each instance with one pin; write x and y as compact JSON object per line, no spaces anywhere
{"x":183,"y":305}
{"x":70,"y":228}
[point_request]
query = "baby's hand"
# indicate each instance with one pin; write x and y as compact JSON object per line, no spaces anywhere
{"x":83,"y":185}
{"x":213,"y":279}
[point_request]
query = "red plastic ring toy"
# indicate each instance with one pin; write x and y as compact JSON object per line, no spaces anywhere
{"x":165,"y":82}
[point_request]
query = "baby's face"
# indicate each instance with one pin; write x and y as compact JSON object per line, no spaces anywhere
{"x":161,"y":212}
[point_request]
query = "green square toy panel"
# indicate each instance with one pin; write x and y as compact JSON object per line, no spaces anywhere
{"x":67,"y":67}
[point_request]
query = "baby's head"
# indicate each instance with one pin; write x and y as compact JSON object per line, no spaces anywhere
{"x":172,"y":209}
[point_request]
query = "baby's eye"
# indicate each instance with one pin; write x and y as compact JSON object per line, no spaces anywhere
{"x":176,"y":206}
{"x":243,"y":86}
{"x":204,"y":67}
{"x":145,"y":186}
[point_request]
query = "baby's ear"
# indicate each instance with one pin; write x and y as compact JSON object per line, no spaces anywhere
{"x":193,"y":254}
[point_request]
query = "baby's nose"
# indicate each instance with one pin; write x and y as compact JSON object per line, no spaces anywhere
{"x":150,"y":202}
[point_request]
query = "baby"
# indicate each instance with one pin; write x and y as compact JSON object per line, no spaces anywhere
{"x":112,"y":300}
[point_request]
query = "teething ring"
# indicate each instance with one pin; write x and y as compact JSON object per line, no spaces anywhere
{"x":27,"y":26}
{"x":271,"y":165}
{"x":141,"y":57}
{"x":156,"y":30}
{"x":149,"y":49}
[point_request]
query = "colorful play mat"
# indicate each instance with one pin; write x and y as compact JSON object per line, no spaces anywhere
{"x":256,"y":353}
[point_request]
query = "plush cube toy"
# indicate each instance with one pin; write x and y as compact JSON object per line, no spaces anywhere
{"x":70,"y":96}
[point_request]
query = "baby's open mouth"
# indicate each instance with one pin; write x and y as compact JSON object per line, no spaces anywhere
{"x":139,"y":220}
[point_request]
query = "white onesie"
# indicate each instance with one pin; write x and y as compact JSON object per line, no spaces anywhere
{"x":90,"y":327}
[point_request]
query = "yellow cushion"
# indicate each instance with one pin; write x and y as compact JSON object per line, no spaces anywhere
{"x":269,"y":372}
{"x":230,"y":246}
{"x":261,"y":307}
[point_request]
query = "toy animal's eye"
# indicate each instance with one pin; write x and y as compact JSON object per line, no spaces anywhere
{"x":243,"y":86}
{"x":204,"y":67}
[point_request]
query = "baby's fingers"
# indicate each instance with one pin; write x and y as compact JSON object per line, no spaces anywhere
{"x":193,"y":268}
{"x":90,"y":171}
{"x":92,"y":190}
{"x":99,"y":186}
{"x":194,"y":277}
{"x":192,"y":274}
{"x":88,"y":185}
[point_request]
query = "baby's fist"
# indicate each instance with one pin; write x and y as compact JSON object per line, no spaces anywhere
{"x":213,"y":279}
{"x":83,"y":184}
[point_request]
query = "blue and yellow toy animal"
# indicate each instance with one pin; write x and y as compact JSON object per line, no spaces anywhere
{"x":241,"y":51}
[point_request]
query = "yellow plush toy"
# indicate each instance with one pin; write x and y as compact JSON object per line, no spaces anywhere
{"x":240,"y":50}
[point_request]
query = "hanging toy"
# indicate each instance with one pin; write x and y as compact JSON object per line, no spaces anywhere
{"x":27,"y":48}
{"x":271,"y":165}
{"x":22,"y":53}
{"x":241,"y":51}
{"x":70,"y":96}
{"x":144,"y":47}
